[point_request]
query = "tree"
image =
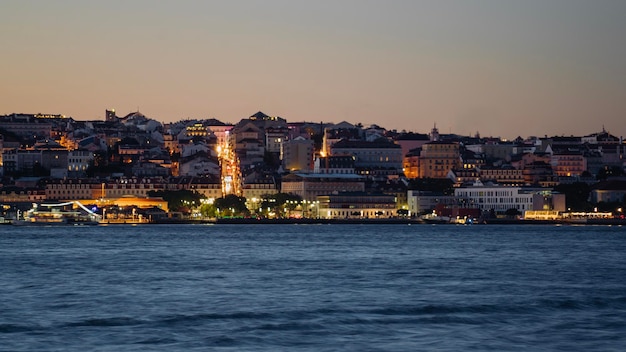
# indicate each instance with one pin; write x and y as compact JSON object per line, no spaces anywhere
{"x":208,"y":210}
{"x":231,"y":205}
{"x":278,"y":202}
{"x":609,"y":171}
{"x":178,"y":200}
{"x":576,"y":195}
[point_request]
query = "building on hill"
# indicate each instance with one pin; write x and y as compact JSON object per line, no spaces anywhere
{"x":297,"y":154}
{"x":275,"y":137}
{"x":27,"y":126}
{"x":410,"y":141}
{"x":199,"y":164}
{"x":338,"y":132}
{"x":462,"y":177}
{"x":411,"y":163}
{"x":381,"y":157}
{"x":568,"y":163}
{"x":438,"y":158}
{"x":539,"y":173}
{"x":335,"y":164}
{"x":246,"y":140}
{"x":505,"y":175}
{"x":501,"y":151}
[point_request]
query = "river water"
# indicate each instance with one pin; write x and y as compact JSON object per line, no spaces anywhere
{"x":313,"y":288}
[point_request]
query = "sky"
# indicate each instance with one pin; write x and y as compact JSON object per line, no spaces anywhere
{"x":503,"y":68}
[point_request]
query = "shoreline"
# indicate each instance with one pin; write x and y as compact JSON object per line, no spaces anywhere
{"x":395,"y":221}
{"x":304,"y":221}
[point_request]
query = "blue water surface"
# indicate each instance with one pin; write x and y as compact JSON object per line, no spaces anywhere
{"x":313,"y":288}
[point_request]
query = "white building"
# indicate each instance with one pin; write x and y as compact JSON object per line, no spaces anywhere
{"x":500,"y":199}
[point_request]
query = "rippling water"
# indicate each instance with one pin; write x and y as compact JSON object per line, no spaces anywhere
{"x":313,"y":288}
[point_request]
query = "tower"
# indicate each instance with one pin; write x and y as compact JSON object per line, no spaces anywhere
{"x":434,"y":134}
{"x":110,"y":115}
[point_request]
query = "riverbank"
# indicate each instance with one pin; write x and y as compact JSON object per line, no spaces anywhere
{"x":392,"y":221}
{"x":387,"y":221}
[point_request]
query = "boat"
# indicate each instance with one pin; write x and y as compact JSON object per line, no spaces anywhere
{"x":435,"y":219}
{"x":58,"y":214}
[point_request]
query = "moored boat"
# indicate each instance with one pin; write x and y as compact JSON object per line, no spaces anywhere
{"x":58,"y":214}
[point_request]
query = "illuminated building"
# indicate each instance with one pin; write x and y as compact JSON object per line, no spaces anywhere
{"x":437,"y":158}
{"x":309,"y":186}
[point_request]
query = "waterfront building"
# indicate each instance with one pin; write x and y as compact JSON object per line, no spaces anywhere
{"x":395,"y":187}
{"x":356,"y":205}
{"x":499,"y":199}
{"x":422,"y":202}
{"x":208,"y":186}
{"x":73,"y":189}
{"x":309,"y":186}
{"x":255,"y":188}
{"x":81,"y":188}
{"x":612,"y":190}
{"x":26,"y":195}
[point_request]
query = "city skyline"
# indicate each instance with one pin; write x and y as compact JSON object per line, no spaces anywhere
{"x":500,"y":69}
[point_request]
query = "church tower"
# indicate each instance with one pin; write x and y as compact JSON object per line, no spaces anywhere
{"x":434,"y":134}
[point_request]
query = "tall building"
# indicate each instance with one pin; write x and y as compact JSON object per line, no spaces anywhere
{"x":297,"y":154}
{"x":437,"y":158}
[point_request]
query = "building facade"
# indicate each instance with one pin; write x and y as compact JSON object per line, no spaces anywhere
{"x":357,"y":205}
{"x":310,"y":186}
{"x":438,"y":158}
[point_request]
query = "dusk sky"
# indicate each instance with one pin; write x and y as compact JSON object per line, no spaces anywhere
{"x":502,"y":67}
